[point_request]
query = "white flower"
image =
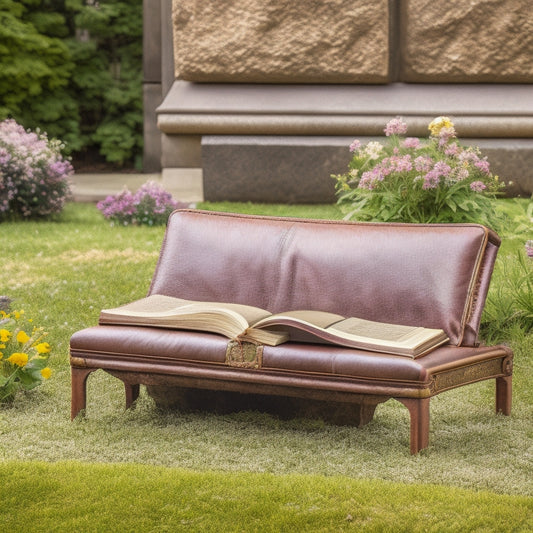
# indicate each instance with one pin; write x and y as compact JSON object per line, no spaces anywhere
{"x":373,"y":149}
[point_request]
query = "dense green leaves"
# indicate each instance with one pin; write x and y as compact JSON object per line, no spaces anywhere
{"x":73,"y":69}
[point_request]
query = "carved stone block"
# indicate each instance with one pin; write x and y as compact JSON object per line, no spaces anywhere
{"x":467,"y":41}
{"x":275,"y":41}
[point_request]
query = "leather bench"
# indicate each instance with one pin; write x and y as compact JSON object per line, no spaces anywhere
{"x":434,"y":276}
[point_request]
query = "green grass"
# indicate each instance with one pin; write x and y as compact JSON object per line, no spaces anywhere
{"x":70,"y":496}
{"x":62,"y":273}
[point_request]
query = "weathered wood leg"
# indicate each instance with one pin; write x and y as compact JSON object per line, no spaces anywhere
{"x":132,"y":393}
{"x":504,"y":393}
{"x":419,"y":412}
{"x":78,"y":389}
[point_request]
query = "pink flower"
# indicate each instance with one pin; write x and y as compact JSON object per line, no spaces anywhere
{"x":423,"y":163}
{"x":412,"y":142}
{"x":452,"y":149}
{"x":400,"y":163}
{"x":356,"y":144}
{"x":445,"y":134}
{"x":483,"y":165}
{"x":478,"y":186}
{"x":431,"y":180}
{"x":462,"y":174}
{"x":395,"y":127}
{"x":442,"y":169}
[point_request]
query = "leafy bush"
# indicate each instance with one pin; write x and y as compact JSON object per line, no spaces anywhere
{"x":108,"y":78}
{"x":37,"y":68}
{"x":33,"y":173}
{"x":510,"y":299}
{"x":150,"y":205}
{"x":409,"y":180}
{"x":73,"y":68}
{"x":23,"y":356}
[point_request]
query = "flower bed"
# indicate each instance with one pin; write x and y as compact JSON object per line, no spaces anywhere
{"x":150,"y":205}
{"x":23,"y":356}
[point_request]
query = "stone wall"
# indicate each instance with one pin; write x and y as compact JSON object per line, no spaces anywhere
{"x":353,"y":41}
{"x":255,"y":79}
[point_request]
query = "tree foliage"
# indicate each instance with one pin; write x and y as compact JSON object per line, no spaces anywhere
{"x":73,"y":68}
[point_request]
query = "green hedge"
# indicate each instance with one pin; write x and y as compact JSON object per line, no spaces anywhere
{"x":73,"y":68}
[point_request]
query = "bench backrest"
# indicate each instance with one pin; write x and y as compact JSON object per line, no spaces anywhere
{"x":434,"y":276}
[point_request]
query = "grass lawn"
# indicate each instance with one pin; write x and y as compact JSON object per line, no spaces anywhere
{"x":146,"y":470}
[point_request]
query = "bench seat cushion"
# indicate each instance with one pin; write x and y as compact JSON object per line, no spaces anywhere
{"x":156,"y":350}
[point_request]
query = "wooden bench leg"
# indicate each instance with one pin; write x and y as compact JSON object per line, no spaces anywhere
{"x":78,"y":389}
{"x":132,"y":393}
{"x":419,"y":412}
{"x":504,"y":393}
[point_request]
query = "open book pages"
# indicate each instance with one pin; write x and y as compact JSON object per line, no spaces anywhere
{"x":228,"y":319}
{"x":244,"y":322}
{"x":319,"y":326}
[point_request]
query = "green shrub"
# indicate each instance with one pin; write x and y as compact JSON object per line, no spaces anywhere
{"x":73,"y":68}
{"x":37,"y":68}
{"x":108,"y":78}
{"x":509,"y":303}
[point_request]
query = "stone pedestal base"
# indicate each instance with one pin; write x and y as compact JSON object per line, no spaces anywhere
{"x":266,"y":143}
{"x":272,"y":169}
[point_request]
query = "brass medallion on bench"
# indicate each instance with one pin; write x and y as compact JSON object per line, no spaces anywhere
{"x":428,"y":276}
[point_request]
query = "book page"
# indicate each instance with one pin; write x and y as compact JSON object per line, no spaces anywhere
{"x":375,"y":330}
{"x":155,"y":304}
{"x":166,"y":311}
{"x":320,"y":319}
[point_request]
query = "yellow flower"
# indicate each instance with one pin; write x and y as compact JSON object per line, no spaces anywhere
{"x":43,"y":347}
{"x":437,"y":124}
{"x":22,"y":337}
{"x":46,"y":373}
{"x":19,"y":359}
{"x":18,"y":314}
{"x":5,"y":335}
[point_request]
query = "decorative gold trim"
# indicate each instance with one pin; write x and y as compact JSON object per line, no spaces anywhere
{"x":475,"y":281}
{"x":78,"y":361}
{"x":244,"y":354}
{"x":468,"y":374}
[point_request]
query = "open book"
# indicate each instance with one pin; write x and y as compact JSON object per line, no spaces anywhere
{"x":247,"y":323}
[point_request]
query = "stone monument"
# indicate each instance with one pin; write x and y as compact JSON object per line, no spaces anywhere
{"x":263,"y":97}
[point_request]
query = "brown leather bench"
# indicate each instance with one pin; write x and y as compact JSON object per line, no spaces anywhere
{"x":434,"y":276}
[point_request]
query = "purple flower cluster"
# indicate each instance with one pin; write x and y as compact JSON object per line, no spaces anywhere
{"x":34,"y":176}
{"x":387,"y":166}
{"x":150,"y":205}
{"x":395,"y":127}
{"x":433,"y":177}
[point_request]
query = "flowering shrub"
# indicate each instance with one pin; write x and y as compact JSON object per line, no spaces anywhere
{"x":150,"y":205}
{"x":23,"y":355}
{"x":34,"y":176}
{"x":410,"y":180}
